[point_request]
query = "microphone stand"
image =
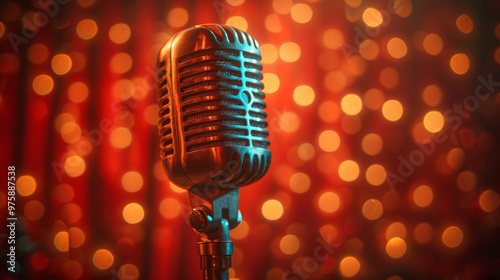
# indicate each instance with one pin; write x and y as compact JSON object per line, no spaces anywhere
{"x":214,"y":214}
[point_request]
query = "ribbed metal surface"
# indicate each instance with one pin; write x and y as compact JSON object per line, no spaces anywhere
{"x":165,"y":122}
{"x":210,"y":83}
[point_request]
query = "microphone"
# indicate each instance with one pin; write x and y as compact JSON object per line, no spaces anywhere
{"x":212,"y":126}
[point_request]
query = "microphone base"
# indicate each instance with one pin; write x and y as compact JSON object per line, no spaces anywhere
{"x":215,"y":254}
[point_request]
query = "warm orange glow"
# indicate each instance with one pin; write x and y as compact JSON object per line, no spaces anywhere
{"x":395,"y":229}
{"x":271,"y":83}
{"x":289,"y":122}
{"x":464,"y":23}
{"x":306,"y":151}
{"x":2,"y":29}
{"x":289,"y":51}
{"x":489,"y":201}
{"x":455,"y":158}
{"x":335,"y":81}
{"x":170,"y":208}
{"x":128,"y":271}
{"x":333,"y":39}
{"x":433,"y":44}
{"x":452,"y":237}
{"x":368,"y":49}
{"x":348,"y":170}
{"x":392,"y":110}
{"x":373,"y":99}
{"x":375,"y":174}
{"x":351,"y":104}
{"x":329,"y":232}
{"x":466,"y":181}
{"x":132,"y":181}
{"x":86,"y":29}
{"x":372,"y":144}
{"x":397,"y":47}
{"x":389,"y":77}
{"x":272,"y":210}
{"x":372,"y":17}
{"x":76,"y":237}
{"x":43,"y":84}
{"x":423,"y":233}
{"x":61,"y":64}
{"x":121,"y":63}
{"x":133,"y":213}
{"x":329,"y":111}
{"x":459,"y":63}
{"x":403,"y":7}
{"x":282,"y":7}
{"x":63,"y":193}
{"x":238,"y":22}
{"x":269,"y":53}
{"x":103,"y":259}
{"x":351,"y":124}
{"x":235,"y":3}
{"x":120,"y":137}
{"x":123,"y":89}
{"x":74,"y":166}
{"x":38,"y":53}
{"x":433,"y":121}
{"x":329,"y":141}
{"x":353,"y":3}
{"x":273,"y":23}
{"x":61,"y":241}
{"x":78,"y":92}
{"x":329,"y":202}
{"x":177,"y":17}
{"x":86,"y":3}
{"x":241,"y":231}
{"x":423,"y":195}
{"x":119,"y":33}
{"x":289,"y":244}
{"x":300,"y":182}
{"x":34,"y":210}
{"x":71,"y":132}
{"x":71,"y":213}
{"x":349,"y":266}
{"x":396,"y":247}
{"x":432,"y":95}
{"x":25,"y":185}
{"x":303,"y":95}
{"x":497,"y":55}
{"x":372,"y":209}
{"x":301,"y":13}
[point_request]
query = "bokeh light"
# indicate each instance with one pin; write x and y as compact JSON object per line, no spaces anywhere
{"x":177,"y":17}
{"x":329,"y":141}
{"x":433,"y":121}
{"x":392,"y":110}
{"x":452,"y":236}
{"x":74,"y":166}
{"x":238,"y":22}
{"x":351,"y":104}
{"x":26,"y":185}
{"x":433,"y":44}
{"x":272,"y":209}
{"x":422,"y":196}
{"x":459,"y":63}
{"x":132,"y":181}
{"x":396,"y":247}
{"x":103,"y":259}
{"x":119,"y":33}
{"x":348,"y":170}
{"x":300,"y":182}
{"x":464,"y":23}
{"x":376,"y":174}
{"x":133,"y":213}
{"x":301,"y":13}
{"x":329,"y":202}
{"x":289,"y":51}
{"x":349,"y":266}
{"x":372,"y":144}
{"x":397,"y":47}
{"x":303,"y":95}
{"x":289,"y":244}
{"x":86,"y":29}
{"x":170,"y":208}
{"x":372,"y":17}
{"x":61,"y":241}
{"x":43,"y":84}
{"x":489,"y":201}
{"x":61,"y":64}
{"x":372,"y":209}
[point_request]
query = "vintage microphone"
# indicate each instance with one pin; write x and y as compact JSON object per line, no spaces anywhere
{"x":212,"y":130}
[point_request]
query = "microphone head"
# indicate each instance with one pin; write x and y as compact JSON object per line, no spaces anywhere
{"x":212,"y":119}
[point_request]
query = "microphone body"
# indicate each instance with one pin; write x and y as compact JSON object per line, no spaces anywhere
{"x":212,"y":130}
{"x":212,"y":119}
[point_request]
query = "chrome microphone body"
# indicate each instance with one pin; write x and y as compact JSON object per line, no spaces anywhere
{"x":213,"y":135}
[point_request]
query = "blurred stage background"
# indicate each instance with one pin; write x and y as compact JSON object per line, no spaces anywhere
{"x":383,"y":116}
